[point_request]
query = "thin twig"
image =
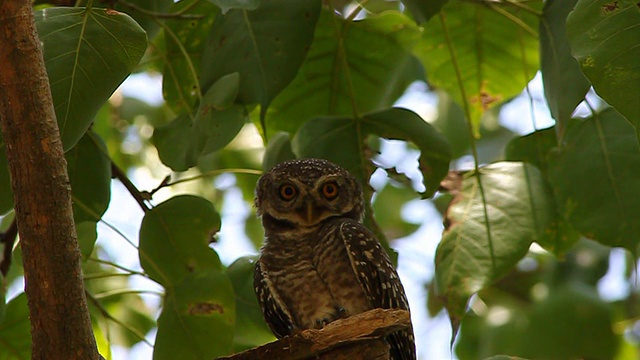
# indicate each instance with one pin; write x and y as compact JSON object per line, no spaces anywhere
{"x":135,"y":193}
{"x":166,"y":181}
{"x":108,"y":316}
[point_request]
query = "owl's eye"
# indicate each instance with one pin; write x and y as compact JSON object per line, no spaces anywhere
{"x":287,"y":192}
{"x":330,"y":190}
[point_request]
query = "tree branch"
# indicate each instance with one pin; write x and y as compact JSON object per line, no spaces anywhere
{"x":60,"y":323}
{"x":133,"y":190}
{"x":359,"y":337}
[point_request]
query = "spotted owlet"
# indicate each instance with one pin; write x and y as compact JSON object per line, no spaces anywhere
{"x":319,"y":263}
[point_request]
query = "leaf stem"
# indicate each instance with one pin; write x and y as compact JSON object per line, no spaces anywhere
{"x":474,"y":149}
{"x":167,"y":183}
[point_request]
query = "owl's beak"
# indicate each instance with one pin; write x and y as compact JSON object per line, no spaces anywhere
{"x":309,"y":212}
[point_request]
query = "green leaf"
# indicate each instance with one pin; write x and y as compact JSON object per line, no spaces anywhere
{"x":6,"y":200}
{"x":336,"y":78}
{"x":266,"y":46}
{"x":226,"y":5}
{"x":534,"y":149}
{"x":491,"y":46}
{"x":15,"y":330}
{"x":605,"y":39}
{"x":184,"y":42}
{"x":423,"y":10}
{"x":278,"y":150}
{"x":451,"y":122}
{"x":197,"y":320}
{"x":251,"y":329}
{"x":564,"y":83}
{"x":386,"y":208}
{"x":333,"y":138}
{"x":148,"y":23}
{"x":88,"y":53}
{"x":557,"y":326}
{"x":488,"y":230}
{"x":181,"y":144}
{"x":595,"y":178}
{"x":87,"y":236}
{"x":89,"y":169}
{"x":174,"y":239}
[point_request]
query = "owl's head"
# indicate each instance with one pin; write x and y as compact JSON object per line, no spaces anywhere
{"x":305,"y":192}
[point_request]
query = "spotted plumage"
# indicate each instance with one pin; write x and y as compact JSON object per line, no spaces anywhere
{"x":319,"y":263}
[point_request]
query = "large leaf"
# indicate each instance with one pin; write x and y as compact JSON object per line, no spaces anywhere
{"x":15,"y":330}
{"x":88,"y":53}
{"x":197,"y":319}
{"x":352,"y":68}
{"x":595,"y":178}
{"x":251,"y":329}
{"x":181,"y":143}
{"x":605,"y":39}
{"x":184,"y":43}
{"x":564,"y":83}
{"x":534,"y":149}
{"x":174,"y":239}
{"x":342,"y":140}
{"x":489,"y":229}
{"x":481,"y":53}
{"x":266,"y":46}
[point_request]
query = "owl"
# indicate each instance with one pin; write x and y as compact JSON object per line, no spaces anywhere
{"x":319,"y":262}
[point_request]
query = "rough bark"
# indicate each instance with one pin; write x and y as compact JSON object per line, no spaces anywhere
{"x":359,"y":337}
{"x":60,"y":323}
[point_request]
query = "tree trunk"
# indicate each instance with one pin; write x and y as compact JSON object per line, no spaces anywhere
{"x":60,"y":323}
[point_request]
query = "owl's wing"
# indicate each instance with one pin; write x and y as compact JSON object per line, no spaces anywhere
{"x":274,"y":310}
{"x":379,"y":280}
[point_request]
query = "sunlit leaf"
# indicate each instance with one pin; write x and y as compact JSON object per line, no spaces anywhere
{"x":197,"y":320}
{"x":491,"y":47}
{"x":251,"y":329}
{"x":605,"y":39}
{"x":15,"y":330}
{"x":342,"y":76}
{"x":174,"y":239}
{"x":595,"y":178}
{"x":266,"y":46}
{"x":489,"y":229}
{"x":340,"y":140}
{"x":564,"y":83}
{"x":88,"y":53}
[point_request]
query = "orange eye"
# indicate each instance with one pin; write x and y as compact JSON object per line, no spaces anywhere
{"x":288,"y":192}
{"x":330,"y":190}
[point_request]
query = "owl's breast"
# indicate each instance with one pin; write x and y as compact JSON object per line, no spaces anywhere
{"x":316,"y":283}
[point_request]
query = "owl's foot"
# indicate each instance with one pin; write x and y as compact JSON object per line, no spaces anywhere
{"x":337,"y":314}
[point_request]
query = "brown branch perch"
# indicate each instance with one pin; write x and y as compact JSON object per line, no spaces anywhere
{"x":357,"y":337}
